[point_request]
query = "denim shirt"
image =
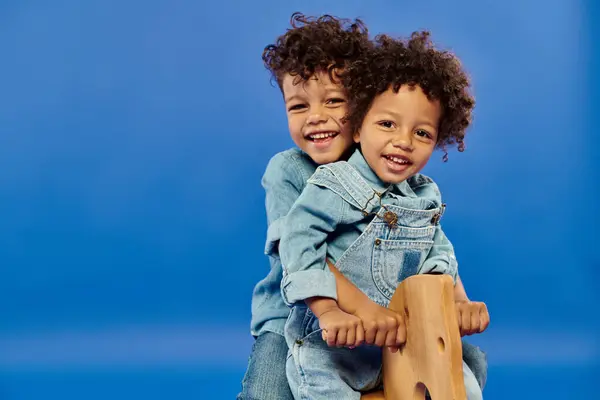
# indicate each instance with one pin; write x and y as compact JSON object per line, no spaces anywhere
{"x":323,"y":224}
{"x":284,"y":179}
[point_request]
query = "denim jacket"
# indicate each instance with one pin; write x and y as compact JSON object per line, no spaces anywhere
{"x":284,"y":179}
{"x":325,"y":221}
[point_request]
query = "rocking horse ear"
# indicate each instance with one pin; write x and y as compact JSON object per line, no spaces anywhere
{"x":431,"y":359}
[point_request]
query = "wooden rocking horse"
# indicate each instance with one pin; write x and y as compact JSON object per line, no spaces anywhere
{"x":431,"y":359}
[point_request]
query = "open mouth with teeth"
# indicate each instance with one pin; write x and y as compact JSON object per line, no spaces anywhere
{"x":322,"y":137}
{"x":397,"y":164}
{"x":397,"y":160}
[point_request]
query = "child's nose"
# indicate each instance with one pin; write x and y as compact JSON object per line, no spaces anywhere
{"x":316,"y":117}
{"x":403,"y":141}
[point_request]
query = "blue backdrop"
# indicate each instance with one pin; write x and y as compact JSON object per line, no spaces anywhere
{"x":133,"y":136}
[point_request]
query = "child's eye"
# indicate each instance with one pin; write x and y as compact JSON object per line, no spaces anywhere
{"x":297,"y":107}
{"x":386,"y":124}
{"x":336,"y":100}
{"x":423,"y":133}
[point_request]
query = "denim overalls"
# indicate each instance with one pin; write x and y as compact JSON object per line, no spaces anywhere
{"x":393,"y":246}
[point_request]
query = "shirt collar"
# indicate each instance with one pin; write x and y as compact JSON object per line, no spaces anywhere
{"x":357,"y":160}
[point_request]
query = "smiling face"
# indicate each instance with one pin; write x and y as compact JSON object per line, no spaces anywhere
{"x":315,"y":111}
{"x":399,"y":133}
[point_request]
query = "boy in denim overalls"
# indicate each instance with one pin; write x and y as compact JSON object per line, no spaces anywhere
{"x":300,"y":61}
{"x":374,"y":215}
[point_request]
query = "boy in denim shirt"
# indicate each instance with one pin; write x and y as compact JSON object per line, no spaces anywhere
{"x":375,"y":216}
{"x":304,"y":61}
{"x":300,"y":61}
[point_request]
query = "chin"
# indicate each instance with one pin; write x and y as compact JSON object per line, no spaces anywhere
{"x":325,"y":158}
{"x":393,"y":179}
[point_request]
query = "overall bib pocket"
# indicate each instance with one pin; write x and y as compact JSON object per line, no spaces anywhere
{"x":395,"y":260}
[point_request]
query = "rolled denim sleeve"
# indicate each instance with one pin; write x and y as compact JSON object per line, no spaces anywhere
{"x":303,"y":248}
{"x":441,"y":258}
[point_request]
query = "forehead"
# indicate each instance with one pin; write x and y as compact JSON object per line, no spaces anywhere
{"x":318,"y":83}
{"x":408,"y":100}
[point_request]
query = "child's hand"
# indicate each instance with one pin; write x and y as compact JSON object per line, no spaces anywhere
{"x":341,"y":329}
{"x":472,"y":316}
{"x":383,"y":327}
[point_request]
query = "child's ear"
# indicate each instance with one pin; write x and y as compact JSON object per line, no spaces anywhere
{"x":356,"y":137}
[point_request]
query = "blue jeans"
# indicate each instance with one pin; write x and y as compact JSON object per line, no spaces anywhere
{"x":265,"y":377}
{"x":318,"y":372}
{"x":476,"y":359}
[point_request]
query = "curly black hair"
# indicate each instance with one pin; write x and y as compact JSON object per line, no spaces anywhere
{"x":392,"y":63}
{"x":315,"y":44}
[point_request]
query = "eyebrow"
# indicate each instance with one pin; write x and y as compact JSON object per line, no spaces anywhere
{"x":292,"y":98}
{"x":399,"y":116}
{"x":334,"y":90}
{"x":328,"y":91}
